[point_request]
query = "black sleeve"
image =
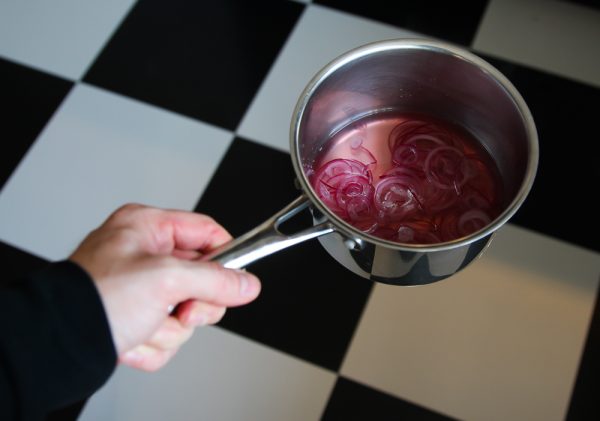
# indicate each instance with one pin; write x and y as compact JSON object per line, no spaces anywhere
{"x":55,"y":342}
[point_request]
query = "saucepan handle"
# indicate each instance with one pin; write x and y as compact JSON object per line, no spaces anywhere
{"x":266,"y":238}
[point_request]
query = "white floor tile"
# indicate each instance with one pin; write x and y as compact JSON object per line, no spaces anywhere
{"x":499,"y":341}
{"x":320,"y":35}
{"x":554,"y":36}
{"x":58,"y":36}
{"x":216,"y":376}
{"x":99,"y":151}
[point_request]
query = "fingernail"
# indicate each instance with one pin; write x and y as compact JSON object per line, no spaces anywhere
{"x":132,"y":356}
{"x":199,"y":319}
{"x":245,"y":287}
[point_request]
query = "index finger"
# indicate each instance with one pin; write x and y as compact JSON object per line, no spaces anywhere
{"x":166,"y":230}
{"x":193,"y":231}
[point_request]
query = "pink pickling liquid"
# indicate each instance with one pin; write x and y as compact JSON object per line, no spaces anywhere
{"x":409,"y":179}
{"x":373,"y":132}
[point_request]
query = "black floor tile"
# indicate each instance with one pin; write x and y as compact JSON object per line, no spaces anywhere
{"x":353,"y":401}
{"x":205,"y":59}
{"x":584,"y":400}
{"x":448,"y":20}
{"x":29,"y":98}
{"x":588,"y":3}
{"x":309,"y":305}
{"x":563,"y":200}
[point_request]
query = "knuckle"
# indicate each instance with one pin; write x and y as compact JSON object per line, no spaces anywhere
{"x":124,"y":213}
{"x":123,"y":240}
{"x":214,"y":227}
{"x":207,"y":219}
{"x":127,"y":209}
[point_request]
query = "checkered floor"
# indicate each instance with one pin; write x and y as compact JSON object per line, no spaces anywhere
{"x":186,"y":104}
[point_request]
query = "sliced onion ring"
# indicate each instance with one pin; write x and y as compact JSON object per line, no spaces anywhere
{"x":472,"y":220}
{"x":394,"y":198}
{"x":447,"y":168}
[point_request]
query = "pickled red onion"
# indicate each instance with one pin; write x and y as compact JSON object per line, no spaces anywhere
{"x":341,"y":166}
{"x":422,"y":134}
{"x":447,"y":168}
{"x":472,"y":220}
{"x":424,"y":138}
{"x":352,"y":186}
{"x":437,"y":189}
{"x":395,"y":199}
{"x":364,"y":155}
{"x":473,"y":198}
{"x":342,"y":182}
{"x":405,"y":234}
{"x":402,"y":130}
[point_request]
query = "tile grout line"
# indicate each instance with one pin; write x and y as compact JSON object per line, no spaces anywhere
{"x":109,"y":38}
{"x":306,"y":6}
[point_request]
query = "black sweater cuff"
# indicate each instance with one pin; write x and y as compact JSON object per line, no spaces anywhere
{"x":56,"y":345}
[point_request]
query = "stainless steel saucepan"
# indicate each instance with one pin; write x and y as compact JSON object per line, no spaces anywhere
{"x":422,"y":76}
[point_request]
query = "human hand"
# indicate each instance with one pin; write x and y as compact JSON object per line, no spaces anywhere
{"x":144,"y":261}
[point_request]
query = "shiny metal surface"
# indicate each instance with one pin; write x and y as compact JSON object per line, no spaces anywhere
{"x":398,"y":266}
{"x":266,"y":238}
{"x":419,"y":76}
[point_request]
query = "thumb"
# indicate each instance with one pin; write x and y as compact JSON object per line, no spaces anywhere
{"x":210,"y":282}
